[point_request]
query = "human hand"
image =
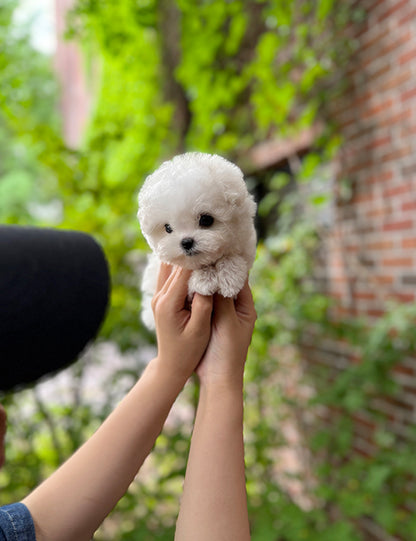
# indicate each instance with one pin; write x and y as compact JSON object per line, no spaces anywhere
{"x":182,"y":331}
{"x":231,"y":331}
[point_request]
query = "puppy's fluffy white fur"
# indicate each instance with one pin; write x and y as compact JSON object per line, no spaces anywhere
{"x":195,"y":212}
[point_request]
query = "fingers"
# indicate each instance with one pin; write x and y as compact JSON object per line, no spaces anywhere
{"x":241,"y":307}
{"x":178,"y":287}
{"x":165,"y":271}
{"x":172,"y":279}
{"x":164,"y":280}
{"x":223,"y":306}
{"x":201,"y":310}
{"x":173,"y":284}
{"x":244,"y":302}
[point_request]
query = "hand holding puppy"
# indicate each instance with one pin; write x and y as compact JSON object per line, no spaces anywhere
{"x":182,"y":331}
{"x":232,"y":327}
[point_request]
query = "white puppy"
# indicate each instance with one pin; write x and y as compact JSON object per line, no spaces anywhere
{"x":195,"y":212}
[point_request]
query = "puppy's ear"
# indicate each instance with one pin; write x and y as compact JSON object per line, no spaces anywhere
{"x":241,"y":203}
{"x":234,"y":198}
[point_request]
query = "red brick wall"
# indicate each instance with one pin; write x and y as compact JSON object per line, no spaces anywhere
{"x":377,"y":116}
{"x":371,"y":253}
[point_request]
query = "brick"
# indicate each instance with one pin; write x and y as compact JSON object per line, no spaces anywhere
{"x":402,"y":404}
{"x":365,"y":163}
{"x":404,"y":369}
{"x":408,"y":94}
{"x":376,"y":70}
{"x":380,"y":245}
{"x":408,"y":56}
{"x":398,"y":226}
{"x":409,"y":205}
{"x":364,"y":420}
{"x":409,"y":243}
{"x":384,"y":279}
{"x":408,"y":130}
{"x":373,"y":37}
{"x":375,"y":312}
{"x":360,"y":132}
{"x":392,"y":46}
{"x":362,"y":198}
{"x":411,"y":390}
{"x":363,"y":99}
{"x":392,"y":9}
{"x":396,"y":80}
{"x":398,"y":190}
{"x":370,"y":5}
{"x":395,"y":118}
{"x":363,"y":295}
{"x":397,"y":153}
{"x":378,"y":212}
{"x":382,"y":176}
{"x":407,"y":16}
{"x":351,"y":248}
{"x":375,"y":142}
{"x":365,"y":228}
{"x":403,"y":297}
{"x":397,"y":262}
{"x":374,"y":110}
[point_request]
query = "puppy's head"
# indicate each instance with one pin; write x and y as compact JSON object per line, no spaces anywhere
{"x":191,"y":208}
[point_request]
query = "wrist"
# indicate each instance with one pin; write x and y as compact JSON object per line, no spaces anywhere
{"x":222,"y":387}
{"x":223,"y":404}
{"x":231,"y":381}
{"x":166,"y":371}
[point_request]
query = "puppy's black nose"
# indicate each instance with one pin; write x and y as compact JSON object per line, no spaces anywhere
{"x":187,"y":243}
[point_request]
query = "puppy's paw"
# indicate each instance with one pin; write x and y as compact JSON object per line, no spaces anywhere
{"x":231,"y":274}
{"x":203,"y":281}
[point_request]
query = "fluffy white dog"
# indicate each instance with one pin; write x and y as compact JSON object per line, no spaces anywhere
{"x":195,"y":212}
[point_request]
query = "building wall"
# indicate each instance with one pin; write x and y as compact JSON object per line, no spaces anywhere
{"x":371,"y":251}
{"x":373,"y":256}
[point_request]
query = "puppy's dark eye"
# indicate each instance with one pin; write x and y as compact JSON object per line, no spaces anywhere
{"x":206,"y":220}
{"x":168,"y":228}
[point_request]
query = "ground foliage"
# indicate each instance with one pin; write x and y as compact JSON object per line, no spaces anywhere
{"x":214,"y":76}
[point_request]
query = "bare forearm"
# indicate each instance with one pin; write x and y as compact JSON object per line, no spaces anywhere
{"x":72,"y":503}
{"x":214,"y":504}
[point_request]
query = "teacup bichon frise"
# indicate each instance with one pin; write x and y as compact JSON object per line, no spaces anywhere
{"x":195,"y":212}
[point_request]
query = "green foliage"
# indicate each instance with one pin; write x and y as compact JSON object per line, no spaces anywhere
{"x":27,"y":95}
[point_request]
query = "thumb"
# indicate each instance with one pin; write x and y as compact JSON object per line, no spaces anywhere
{"x":201,"y":311}
{"x":223,"y":306}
